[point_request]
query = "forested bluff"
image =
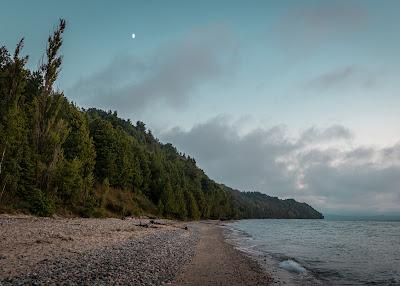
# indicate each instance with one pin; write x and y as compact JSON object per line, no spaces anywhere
{"x":57,"y":158}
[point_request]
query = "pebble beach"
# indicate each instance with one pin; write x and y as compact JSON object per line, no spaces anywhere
{"x":132,"y":251}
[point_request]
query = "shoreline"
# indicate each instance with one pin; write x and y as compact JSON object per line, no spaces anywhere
{"x":40,"y":251}
{"x":238,"y":240}
{"x":217,"y":262}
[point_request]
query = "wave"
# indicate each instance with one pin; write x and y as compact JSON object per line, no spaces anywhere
{"x":292,"y":266}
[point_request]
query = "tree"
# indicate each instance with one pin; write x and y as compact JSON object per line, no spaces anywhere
{"x":55,"y":156}
{"x":141,"y":126}
{"x":13,"y":130}
{"x":103,"y":136}
{"x":193,"y":210}
{"x":50,"y":130}
{"x":79,"y":146}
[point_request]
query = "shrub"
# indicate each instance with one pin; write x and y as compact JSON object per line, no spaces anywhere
{"x":40,"y":204}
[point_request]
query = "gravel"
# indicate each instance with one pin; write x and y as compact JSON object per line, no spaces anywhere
{"x":152,"y":259}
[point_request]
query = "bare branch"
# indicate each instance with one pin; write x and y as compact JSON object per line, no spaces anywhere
{"x":4,"y":187}
{"x":2,"y":158}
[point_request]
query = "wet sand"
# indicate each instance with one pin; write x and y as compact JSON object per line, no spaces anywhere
{"x":216,"y":262}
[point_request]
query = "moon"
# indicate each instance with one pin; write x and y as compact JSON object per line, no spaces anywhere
{"x":133,"y":36}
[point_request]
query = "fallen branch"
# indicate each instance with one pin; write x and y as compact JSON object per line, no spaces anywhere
{"x":143,"y":225}
{"x":157,"y":222}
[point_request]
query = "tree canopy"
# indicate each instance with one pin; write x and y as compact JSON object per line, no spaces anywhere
{"x":57,"y":157}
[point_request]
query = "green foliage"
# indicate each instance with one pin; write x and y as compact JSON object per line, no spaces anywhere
{"x":40,"y":204}
{"x":160,"y":207}
{"x":69,"y":181}
{"x":193,"y":210}
{"x":55,"y":156}
{"x":257,"y":205}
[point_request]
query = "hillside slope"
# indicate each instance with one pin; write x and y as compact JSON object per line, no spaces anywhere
{"x":257,"y":205}
{"x":58,"y":158}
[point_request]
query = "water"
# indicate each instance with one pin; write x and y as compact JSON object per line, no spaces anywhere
{"x":323,"y":252}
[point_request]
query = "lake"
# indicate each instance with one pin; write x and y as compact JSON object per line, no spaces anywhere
{"x":323,"y":252}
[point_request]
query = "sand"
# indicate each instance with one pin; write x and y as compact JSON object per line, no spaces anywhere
{"x":42,"y":251}
{"x":217,"y":263}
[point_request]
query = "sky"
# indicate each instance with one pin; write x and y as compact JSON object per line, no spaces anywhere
{"x":295,"y":99}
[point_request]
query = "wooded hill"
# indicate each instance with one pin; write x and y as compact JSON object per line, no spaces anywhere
{"x":58,"y":158}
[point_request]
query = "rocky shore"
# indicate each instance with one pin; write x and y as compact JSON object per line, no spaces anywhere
{"x":42,"y":251}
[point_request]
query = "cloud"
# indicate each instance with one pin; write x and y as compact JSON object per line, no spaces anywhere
{"x":246,"y":162}
{"x":169,"y":76}
{"x":344,"y":77}
{"x":334,"y":132}
{"x":365,"y":187}
{"x":307,"y":28}
{"x":309,"y":168}
{"x":323,"y":18}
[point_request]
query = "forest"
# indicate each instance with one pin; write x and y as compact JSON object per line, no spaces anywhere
{"x":58,"y":158}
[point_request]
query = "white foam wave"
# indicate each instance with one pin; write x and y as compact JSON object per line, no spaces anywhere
{"x":292,"y":266}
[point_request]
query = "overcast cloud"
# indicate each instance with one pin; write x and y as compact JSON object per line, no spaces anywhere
{"x":169,"y":76}
{"x":320,"y":166}
{"x":314,"y":49}
{"x":344,"y":77}
{"x":314,"y":22}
